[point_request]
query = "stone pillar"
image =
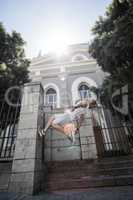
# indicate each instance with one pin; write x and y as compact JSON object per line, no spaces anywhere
{"x":87,"y":138}
{"x":27,"y":172}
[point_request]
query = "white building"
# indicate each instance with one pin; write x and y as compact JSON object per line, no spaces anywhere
{"x":67,"y":78}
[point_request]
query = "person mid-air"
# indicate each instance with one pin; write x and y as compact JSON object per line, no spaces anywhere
{"x":67,"y":123}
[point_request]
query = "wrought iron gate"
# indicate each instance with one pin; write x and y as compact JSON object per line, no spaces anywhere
{"x":113,"y":137}
{"x":9,"y":116}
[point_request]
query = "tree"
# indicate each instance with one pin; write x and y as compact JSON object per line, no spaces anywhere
{"x":13,"y":72}
{"x":13,"y":64}
{"x":112,"y":46}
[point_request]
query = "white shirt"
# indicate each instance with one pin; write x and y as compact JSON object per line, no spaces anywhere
{"x":76,"y":114}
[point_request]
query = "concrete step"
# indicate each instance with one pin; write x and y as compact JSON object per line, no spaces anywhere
{"x":88,"y":166}
{"x":3,"y":188}
{"x":90,"y":182}
{"x":116,"y":158}
{"x":106,"y":161}
{"x":81,"y":174}
{"x":14,"y":196}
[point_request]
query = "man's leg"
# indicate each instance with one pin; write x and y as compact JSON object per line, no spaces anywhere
{"x":49,"y":123}
{"x":42,"y":132}
{"x":58,"y":127}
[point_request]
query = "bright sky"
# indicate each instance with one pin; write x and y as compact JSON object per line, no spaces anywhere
{"x":44,"y":24}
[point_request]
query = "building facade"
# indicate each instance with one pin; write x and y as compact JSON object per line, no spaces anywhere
{"x":67,"y":78}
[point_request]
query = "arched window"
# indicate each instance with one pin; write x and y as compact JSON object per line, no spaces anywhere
{"x":51,"y":97}
{"x":84,"y":92}
{"x":79,"y":57}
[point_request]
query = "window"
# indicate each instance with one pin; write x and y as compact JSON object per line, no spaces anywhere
{"x":84,"y":92}
{"x":51,"y":97}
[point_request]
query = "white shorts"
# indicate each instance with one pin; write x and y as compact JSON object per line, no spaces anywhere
{"x":62,"y":119}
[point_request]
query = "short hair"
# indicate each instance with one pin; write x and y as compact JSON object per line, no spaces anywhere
{"x":93,"y":103}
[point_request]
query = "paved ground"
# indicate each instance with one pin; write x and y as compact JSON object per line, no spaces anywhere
{"x":116,"y":193}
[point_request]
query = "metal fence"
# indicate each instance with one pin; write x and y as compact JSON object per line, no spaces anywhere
{"x":9,"y":116}
{"x":113,"y":136}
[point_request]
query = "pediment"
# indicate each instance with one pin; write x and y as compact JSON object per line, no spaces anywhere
{"x":44,"y":60}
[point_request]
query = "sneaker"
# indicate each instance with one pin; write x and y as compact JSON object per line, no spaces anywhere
{"x":41,"y":132}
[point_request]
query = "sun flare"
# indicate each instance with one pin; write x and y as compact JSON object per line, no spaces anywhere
{"x":59,"y":40}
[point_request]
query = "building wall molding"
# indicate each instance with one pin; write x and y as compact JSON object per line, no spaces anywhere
{"x":89,"y":82}
{"x":80,"y":55}
{"x":56,"y":88}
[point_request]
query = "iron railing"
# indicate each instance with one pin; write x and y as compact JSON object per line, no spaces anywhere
{"x":9,"y":116}
{"x":113,"y":136}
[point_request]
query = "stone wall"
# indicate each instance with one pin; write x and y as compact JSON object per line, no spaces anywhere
{"x":27,"y":170}
{"x":5,"y":173}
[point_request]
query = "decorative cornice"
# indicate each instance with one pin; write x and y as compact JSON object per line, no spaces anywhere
{"x":43,"y":76}
{"x":59,"y":65}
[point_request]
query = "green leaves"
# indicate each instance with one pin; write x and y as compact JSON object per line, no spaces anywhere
{"x":13,"y":64}
{"x":113,"y":42}
{"x":112,"y":46}
{"x":3,"y":67}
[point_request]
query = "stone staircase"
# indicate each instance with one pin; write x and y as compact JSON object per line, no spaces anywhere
{"x":83,"y":174}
